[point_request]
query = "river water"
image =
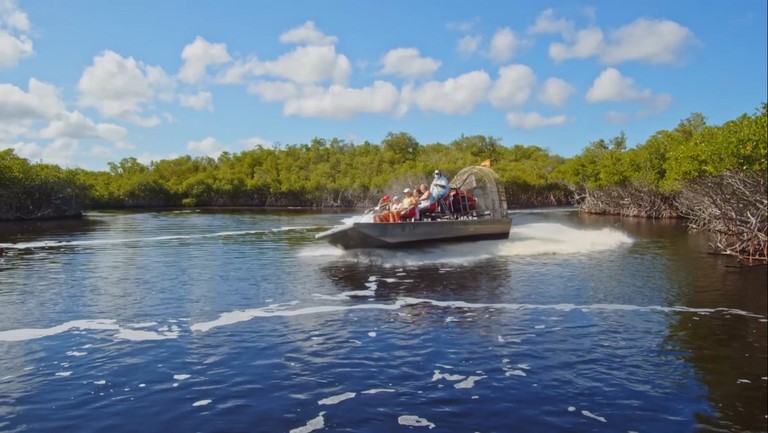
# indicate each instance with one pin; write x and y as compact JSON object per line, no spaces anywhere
{"x":242,"y":321}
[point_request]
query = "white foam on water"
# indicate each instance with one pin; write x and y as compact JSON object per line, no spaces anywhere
{"x":468,"y":382}
{"x":549,"y":238}
{"x":181,"y":376}
{"x":372,"y":334}
{"x":201,"y":402}
{"x":414,"y":421}
{"x":377,"y":390}
{"x":64,"y":373}
{"x":515,"y":373}
{"x":74,"y":353}
{"x":452,"y":377}
{"x":100,"y":382}
{"x":314,"y":424}
{"x":336,"y":399}
{"x":571,"y":409}
{"x":33,"y":333}
{"x":287,"y":310}
{"x":271,"y":311}
{"x":48,"y":244}
{"x":591,"y":415}
{"x":143,"y":324}
{"x":141,"y":335}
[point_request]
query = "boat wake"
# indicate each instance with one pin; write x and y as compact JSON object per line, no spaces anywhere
{"x":524,"y":240}
{"x":96,"y":242}
{"x":549,"y":238}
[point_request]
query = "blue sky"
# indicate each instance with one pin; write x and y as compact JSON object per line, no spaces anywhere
{"x":83,"y":82}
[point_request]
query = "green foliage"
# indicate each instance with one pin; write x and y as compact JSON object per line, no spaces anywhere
{"x":336,"y":173}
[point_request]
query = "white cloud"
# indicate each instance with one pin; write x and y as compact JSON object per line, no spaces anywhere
{"x":254,"y":143}
{"x":274,"y":91}
{"x":60,"y":152}
{"x":198,"y":56}
{"x":75,"y":125}
{"x":554,"y":92}
{"x":646,"y":40}
{"x":468,"y":44}
{"x":513,"y":87}
{"x":100,"y":151}
{"x":309,"y":65}
{"x":208,"y":146}
{"x":30,"y":151}
{"x":547,"y":23}
{"x":307,"y":34}
{"x":585,"y":43}
{"x":238,"y":71}
{"x":41,"y":102}
{"x":200,"y":101}
{"x":13,"y":48}
{"x":453,"y":96}
{"x":612,"y":86}
{"x":119,"y":87}
{"x":14,"y":26}
{"x":339,"y":102}
{"x":653,"y":41}
{"x":11,"y":17}
{"x":408,"y":63}
{"x":463,"y":26}
{"x":533,"y":120}
{"x":503,"y":45}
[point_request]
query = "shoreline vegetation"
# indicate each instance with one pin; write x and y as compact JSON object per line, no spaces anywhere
{"x":714,"y":176}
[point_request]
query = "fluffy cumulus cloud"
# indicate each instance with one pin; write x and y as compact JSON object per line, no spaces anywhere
{"x":307,"y":34}
{"x":198,"y":56}
{"x":503,"y":45}
{"x":534,"y":120}
{"x":468,"y":44}
{"x":14,"y":28}
{"x":652,"y":41}
{"x":612,"y":86}
{"x":339,"y":102}
{"x":61,"y":151}
{"x":254,"y":143}
{"x":584,"y":43}
{"x":201,"y":100}
{"x":120,"y":87}
{"x":453,"y":96}
{"x":40,"y":102}
{"x":554,"y":92}
{"x":309,"y":65}
{"x":408,"y":63}
{"x":643,"y":40}
{"x":76,"y":126}
{"x":546,"y":22}
{"x":207,"y":146}
{"x":513,"y":87}
{"x":275,"y":91}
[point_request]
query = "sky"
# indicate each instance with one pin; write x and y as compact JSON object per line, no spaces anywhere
{"x":84,"y":83}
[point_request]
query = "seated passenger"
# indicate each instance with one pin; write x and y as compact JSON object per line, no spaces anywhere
{"x":381,"y":211}
{"x":408,"y":205}
{"x":394,"y":210}
{"x":439,"y":187}
{"x":426,"y":202}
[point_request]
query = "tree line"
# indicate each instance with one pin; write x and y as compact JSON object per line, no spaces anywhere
{"x":658,"y":178}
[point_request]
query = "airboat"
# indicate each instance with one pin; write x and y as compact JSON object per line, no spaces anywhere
{"x":475,"y":209}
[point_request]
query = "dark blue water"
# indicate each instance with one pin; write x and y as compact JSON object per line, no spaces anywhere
{"x":243,"y":322}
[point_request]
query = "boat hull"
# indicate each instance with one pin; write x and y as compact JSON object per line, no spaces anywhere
{"x":409,"y":234}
